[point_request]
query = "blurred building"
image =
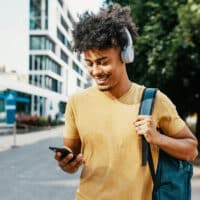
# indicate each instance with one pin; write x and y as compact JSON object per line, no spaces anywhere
{"x":36,"y":38}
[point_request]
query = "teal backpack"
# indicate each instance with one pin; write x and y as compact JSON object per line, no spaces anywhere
{"x":172,"y":179}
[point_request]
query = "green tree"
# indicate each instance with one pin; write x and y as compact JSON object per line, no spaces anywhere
{"x":168,"y":50}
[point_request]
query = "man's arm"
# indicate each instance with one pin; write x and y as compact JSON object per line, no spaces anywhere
{"x":183,"y":145}
{"x":75,"y":146}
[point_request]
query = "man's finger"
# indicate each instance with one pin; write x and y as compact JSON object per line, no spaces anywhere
{"x":58,"y":155}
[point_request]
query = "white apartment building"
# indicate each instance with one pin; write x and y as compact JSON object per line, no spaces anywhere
{"x":37,"y":43}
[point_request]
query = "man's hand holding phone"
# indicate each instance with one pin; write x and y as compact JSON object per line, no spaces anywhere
{"x":66,"y":160}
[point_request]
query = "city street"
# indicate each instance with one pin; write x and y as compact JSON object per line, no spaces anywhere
{"x":29,"y":171}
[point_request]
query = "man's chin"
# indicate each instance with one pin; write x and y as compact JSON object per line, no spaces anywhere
{"x":104,"y":88}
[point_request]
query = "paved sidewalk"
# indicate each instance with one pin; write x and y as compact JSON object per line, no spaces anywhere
{"x":197,"y":172}
{"x":196,"y":183}
{"x":7,"y":141}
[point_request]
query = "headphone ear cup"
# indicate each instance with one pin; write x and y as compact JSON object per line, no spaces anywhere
{"x":127,"y":54}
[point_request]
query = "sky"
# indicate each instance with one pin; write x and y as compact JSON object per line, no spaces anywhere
{"x":79,"y":6}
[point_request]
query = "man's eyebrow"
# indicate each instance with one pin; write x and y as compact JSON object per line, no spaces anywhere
{"x":102,"y":58}
{"x":87,"y":60}
{"x":97,"y":60}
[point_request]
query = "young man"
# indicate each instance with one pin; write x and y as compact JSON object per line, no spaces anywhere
{"x":102,"y":123}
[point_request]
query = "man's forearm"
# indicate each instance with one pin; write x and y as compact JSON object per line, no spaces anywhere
{"x":185,"y":149}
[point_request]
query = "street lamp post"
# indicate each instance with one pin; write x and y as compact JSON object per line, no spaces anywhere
{"x":10,"y":107}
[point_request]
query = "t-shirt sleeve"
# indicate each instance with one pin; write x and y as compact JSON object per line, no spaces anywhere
{"x":168,"y":119}
{"x":70,"y":130}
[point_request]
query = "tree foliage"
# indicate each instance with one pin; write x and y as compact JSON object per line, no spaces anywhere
{"x":168,"y":49}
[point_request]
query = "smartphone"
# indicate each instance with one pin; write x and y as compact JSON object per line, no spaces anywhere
{"x":64,"y":151}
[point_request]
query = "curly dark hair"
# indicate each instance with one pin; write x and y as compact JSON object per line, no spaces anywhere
{"x":103,"y":30}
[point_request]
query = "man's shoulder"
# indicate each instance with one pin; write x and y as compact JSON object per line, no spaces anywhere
{"x":85,"y":93}
{"x":137,"y":90}
{"x":137,"y":86}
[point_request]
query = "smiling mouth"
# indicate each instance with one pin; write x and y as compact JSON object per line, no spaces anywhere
{"x":102,"y":80}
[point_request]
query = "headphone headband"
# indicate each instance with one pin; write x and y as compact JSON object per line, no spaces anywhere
{"x":130,"y":41}
{"x":127,"y":53}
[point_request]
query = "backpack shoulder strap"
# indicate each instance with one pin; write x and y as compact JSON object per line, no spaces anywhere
{"x":146,"y":108}
{"x":147,"y":101}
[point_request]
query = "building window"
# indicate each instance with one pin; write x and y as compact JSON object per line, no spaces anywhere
{"x":40,"y":80}
{"x":38,"y":14}
{"x":77,"y":69}
{"x":63,"y":39}
{"x":30,"y":63}
{"x":46,"y":14}
{"x":70,"y":17}
{"x":60,"y":2}
{"x":64,"y":24}
{"x":79,"y":56}
{"x":35,"y":103}
{"x":38,"y":62}
{"x":64,"y":56}
{"x":53,"y":84}
{"x":35,"y":14}
{"x":69,"y":46}
{"x":61,"y":36}
{"x":78,"y":82}
{"x":47,"y":82}
{"x":37,"y":42}
{"x":35,"y":80}
{"x":2,"y":105}
{"x":30,"y":79}
{"x":41,"y":43}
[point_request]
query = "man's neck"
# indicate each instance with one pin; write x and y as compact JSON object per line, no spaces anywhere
{"x":119,"y":90}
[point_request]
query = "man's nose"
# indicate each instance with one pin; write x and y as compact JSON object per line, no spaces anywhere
{"x":96,"y":70}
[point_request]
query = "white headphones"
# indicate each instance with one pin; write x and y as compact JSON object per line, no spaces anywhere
{"x":127,"y":53}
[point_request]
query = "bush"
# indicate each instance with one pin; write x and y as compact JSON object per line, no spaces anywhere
{"x":43,"y":121}
{"x":28,"y":121}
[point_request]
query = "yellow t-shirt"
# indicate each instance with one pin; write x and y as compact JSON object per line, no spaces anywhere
{"x":110,"y":145}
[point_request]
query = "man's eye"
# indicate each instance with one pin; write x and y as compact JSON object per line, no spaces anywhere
{"x":103,"y":63}
{"x":89,"y":64}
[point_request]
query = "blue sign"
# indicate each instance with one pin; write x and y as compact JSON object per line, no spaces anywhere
{"x":10,"y":105}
